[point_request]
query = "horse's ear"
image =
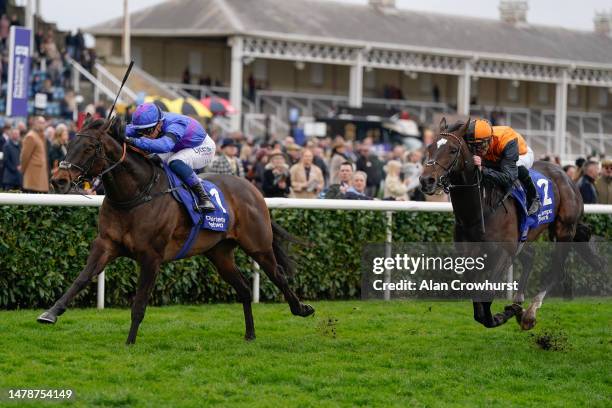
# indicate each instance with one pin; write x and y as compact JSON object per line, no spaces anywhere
{"x":465,"y":127}
{"x":88,"y":120}
{"x":443,"y":125}
{"x":115,"y":128}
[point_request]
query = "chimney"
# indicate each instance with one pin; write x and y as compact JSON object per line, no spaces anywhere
{"x":513,"y":11}
{"x":603,"y":23}
{"x":382,"y":4}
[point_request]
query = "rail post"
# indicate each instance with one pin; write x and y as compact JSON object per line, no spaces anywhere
{"x":388,"y":243}
{"x":100,"y":293}
{"x":255,"y":282}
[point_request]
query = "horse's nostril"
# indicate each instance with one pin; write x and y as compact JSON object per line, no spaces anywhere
{"x":59,"y":184}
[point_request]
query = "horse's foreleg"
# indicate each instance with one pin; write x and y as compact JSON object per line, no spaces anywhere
{"x":149,"y":267}
{"x":102,"y":252}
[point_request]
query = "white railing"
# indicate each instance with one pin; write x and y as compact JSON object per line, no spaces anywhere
{"x":76,"y":200}
{"x":203,"y":91}
{"x":78,"y":70}
{"x":258,"y":124}
{"x":168,"y":92}
{"x":111,"y":82}
{"x":199,"y":91}
{"x":389,"y":207}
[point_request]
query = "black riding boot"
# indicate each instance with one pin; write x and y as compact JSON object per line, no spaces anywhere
{"x":533,"y":200}
{"x":204,"y":203}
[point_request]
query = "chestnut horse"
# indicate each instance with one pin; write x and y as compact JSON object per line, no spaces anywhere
{"x":140,"y":220}
{"x":450,"y":166}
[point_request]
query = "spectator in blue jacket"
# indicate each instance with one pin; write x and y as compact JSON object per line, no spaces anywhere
{"x":11,"y":177}
{"x":586,"y":184}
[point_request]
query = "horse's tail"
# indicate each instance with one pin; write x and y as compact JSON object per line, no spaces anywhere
{"x":280,"y":240}
{"x":587,"y":248}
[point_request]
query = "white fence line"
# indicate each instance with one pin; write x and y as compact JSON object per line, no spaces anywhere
{"x":75,"y":200}
{"x":273,"y":203}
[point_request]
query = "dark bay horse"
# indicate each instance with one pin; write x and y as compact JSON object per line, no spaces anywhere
{"x":450,"y":166}
{"x":140,"y":220}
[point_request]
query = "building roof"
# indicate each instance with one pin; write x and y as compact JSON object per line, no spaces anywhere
{"x":333,"y":21}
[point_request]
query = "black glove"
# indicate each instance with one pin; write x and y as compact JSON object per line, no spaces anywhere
{"x":129,"y":140}
{"x":155,"y":159}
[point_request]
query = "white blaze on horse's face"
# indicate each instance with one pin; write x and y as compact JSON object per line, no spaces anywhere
{"x":441,"y":142}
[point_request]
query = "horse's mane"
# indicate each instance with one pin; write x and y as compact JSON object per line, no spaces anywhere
{"x":95,"y":124}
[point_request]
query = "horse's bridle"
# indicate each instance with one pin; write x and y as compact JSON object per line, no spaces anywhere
{"x":84,"y":168}
{"x":444,"y":179}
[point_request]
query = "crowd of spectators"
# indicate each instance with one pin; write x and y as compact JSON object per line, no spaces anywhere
{"x":321,"y":168}
{"x":31,"y":152}
{"x":328,"y":167}
{"x":338,"y":168}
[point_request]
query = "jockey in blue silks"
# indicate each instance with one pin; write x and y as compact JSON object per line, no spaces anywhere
{"x":179,"y":141}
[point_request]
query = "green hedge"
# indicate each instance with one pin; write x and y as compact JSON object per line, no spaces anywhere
{"x":42,"y":249}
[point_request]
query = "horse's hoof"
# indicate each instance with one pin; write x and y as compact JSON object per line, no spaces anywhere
{"x":249,"y":337}
{"x":528,"y":323}
{"x":307,"y":310}
{"x":47,"y":318}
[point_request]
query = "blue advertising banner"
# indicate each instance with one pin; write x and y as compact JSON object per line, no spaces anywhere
{"x":19,"y":72}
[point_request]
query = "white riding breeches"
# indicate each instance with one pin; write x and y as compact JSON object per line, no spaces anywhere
{"x":195,"y":157}
{"x":526,"y":159}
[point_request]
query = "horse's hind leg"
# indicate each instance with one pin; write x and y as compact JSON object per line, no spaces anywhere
{"x":149,"y":267}
{"x":268,"y":263}
{"x":102,"y":252}
{"x":552,"y":275}
{"x":586,"y":247}
{"x":483,"y":315}
{"x":526,"y":258}
{"x":222,"y":256}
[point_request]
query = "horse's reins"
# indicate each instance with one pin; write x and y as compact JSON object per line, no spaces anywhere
{"x":84,"y":169}
{"x":444,"y":180}
{"x":145,"y":194}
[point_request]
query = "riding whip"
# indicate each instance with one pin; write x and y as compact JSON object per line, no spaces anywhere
{"x":125,"y":77}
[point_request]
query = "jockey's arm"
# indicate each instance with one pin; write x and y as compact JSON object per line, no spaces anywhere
{"x":162,"y":144}
{"x":130,"y":131}
{"x":507,"y":172}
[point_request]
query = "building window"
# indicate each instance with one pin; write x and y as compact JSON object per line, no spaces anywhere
{"x":316,"y":74}
{"x":474,"y":88}
{"x":137,"y":55}
{"x":195,"y":63}
{"x":260,"y":70}
{"x":573,"y":95}
{"x":543,"y":93}
{"x":425,"y":83}
{"x":370,"y":79}
{"x":513,"y":91}
{"x":602,"y":97}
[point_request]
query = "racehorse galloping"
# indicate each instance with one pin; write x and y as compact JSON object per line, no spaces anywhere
{"x":140,"y":220}
{"x":450,"y":166}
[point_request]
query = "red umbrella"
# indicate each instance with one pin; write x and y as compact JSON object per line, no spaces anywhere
{"x":218,"y":106}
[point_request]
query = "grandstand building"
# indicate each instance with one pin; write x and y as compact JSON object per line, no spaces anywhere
{"x":553,"y":84}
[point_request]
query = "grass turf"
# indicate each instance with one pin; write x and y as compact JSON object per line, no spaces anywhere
{"x":350,"y":354}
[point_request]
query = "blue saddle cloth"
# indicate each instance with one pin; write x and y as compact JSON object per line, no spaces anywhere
{"x":217,"y":220}
{"x":547,"y":199}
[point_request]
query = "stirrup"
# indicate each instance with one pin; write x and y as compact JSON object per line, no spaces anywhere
{"x":205,"y":206}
